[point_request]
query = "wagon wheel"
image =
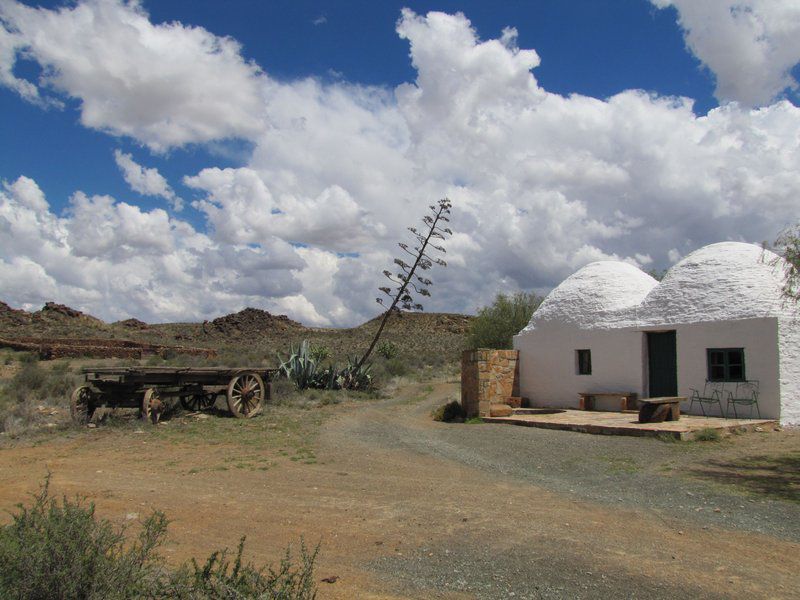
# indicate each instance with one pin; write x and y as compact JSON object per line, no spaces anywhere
{"x":198,"y":401}
{"x":152,"y":406}
{"x":81,"y":404}
{"x":245,"y":395}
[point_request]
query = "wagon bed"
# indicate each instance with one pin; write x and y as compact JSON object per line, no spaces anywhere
{"x":148,"y":388}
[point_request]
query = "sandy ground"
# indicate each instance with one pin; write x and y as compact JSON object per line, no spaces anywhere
{"x":407,"y":508}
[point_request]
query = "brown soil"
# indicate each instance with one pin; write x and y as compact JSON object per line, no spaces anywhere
{"x":389,"y":518}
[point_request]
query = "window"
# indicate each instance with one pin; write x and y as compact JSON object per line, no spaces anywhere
{"x":584,"y":360}
{"x":725,"y":364}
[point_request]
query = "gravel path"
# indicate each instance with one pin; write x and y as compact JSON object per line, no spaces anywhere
{"x":613,"y":472}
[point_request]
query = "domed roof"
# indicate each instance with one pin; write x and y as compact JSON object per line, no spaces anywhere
{"x":595,"y":295}
{"x":725,"y":281}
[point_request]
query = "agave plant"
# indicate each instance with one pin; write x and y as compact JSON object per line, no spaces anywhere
{"x":355,"y":376}
{"x":299,"y":367}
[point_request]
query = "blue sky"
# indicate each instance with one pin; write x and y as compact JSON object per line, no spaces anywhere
{"x":588,"y":47}
{"x":165,"y":131}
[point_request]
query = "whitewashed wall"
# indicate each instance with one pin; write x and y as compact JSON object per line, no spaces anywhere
{"x":758,"y":337}
{"x":789,"y":344}
{"x":548,"y":373}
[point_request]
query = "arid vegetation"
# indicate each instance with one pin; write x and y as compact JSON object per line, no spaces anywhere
{"x":496,"y":325}
{"x":61,"y":549}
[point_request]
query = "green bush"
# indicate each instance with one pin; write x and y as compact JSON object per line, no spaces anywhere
{"x":62,"y":550}
{"x":33,"y":382}
{"x":218,"y":579}
{"x":450,"y":412}
{"x":388,"y":350}
{"x":496,"y":325}
{"x":707,"y":434}
{"x":319,"y":353}
{"x":27,"y":383}
{"x":396,"y":367}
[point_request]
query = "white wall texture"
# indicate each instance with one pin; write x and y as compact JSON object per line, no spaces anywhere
{"x":548,"y":372}
{"x":789,"y":347}
{"x":758,"y":337}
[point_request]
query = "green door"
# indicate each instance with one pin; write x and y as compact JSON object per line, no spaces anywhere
{"x":662,"y":362}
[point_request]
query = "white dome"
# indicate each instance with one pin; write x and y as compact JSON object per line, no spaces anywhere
{"x":725,"y":281}
{"x":594,"y":296}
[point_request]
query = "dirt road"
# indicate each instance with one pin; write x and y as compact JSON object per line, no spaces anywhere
{"x":405,"y":507}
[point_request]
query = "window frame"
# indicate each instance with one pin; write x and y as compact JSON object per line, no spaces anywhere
{"x":725,"y":365}
{"x":579,"y":363}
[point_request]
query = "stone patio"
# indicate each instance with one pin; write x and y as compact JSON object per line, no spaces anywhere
{"x":626,"y":423}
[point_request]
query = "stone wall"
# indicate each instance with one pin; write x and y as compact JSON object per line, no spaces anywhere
{"x":488,"y":377}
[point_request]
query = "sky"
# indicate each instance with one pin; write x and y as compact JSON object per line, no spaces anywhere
{"x":179,"y":160}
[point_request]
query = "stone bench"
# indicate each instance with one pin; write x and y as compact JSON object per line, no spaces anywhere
{"x":627,"y":400}
{"x":658,"y":410}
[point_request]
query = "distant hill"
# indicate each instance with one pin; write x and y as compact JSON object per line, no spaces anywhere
{"x":425,"y":337}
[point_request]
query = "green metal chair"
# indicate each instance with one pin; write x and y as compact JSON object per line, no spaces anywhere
{"x":745,"y":394}
{"x":712,"y":394}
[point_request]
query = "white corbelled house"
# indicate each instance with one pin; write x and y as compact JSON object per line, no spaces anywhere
{"x":717,"y":320}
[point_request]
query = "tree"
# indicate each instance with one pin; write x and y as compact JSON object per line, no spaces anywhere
{"x":496,"y":325}
{"x":787,"y":246}
{"x":406,"y":283}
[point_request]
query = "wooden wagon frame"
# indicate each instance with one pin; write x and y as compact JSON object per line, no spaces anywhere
{"x":149,"y":388}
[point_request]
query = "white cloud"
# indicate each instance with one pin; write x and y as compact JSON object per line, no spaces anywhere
{"x":148,"y":182}
{"x":540,"y":183}
{"x":116,"y":260}
{"x":162,"y":84}
{"x":751,"y":46}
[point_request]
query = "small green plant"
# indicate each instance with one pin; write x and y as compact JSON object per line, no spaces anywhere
{"x":474,"y":421}
{"x":218,"y":578}
{"x":449,"y":413}
{"x":707,"y":434}
{"x":388,"y":350}
{"x":319,"y":353}
{"x":396,"y":367}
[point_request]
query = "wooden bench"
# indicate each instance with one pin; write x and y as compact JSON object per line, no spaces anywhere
{"x":658,"y":410}
{"x":627,"y":400}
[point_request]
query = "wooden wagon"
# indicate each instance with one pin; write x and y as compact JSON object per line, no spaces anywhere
{"x":149,"y":388}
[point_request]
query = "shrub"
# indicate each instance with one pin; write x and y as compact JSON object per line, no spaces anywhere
{"x":450,"y":412}
{"x":396,"y":367}
{"x":707,"y":434}
{"x":319,"y":353}
{"x":219,"y":579}
{"x":62,"y":550}
{"x":388,"y":350}
{"x":496,"y":325}
{"x":28,"y":382}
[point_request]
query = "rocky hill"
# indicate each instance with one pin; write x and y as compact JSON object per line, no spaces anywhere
{"x":426,"y":337}
{"x":253,"y":320}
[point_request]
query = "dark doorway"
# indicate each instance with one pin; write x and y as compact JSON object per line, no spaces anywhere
{"x":662,"y":362}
